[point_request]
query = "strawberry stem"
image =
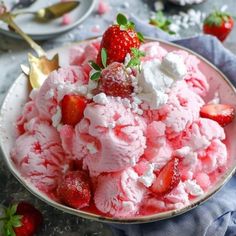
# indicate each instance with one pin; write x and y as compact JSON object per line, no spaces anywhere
{"x":217,"y":18}
{"x":125,"y":24}
{"x":3,"y":218}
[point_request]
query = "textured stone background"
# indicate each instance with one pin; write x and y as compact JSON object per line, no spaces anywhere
{"x":13,"y":53}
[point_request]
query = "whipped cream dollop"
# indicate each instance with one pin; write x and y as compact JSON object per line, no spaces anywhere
{"x":174,"y":66}
{"x":157,"y":76}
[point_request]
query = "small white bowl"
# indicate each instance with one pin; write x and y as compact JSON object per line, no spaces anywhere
{"x":40,"y":31}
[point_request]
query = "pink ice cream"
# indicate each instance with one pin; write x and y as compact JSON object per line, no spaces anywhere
{"x":105,"y":140}
{"x":59,"y":83}
{"x":82,"y":54}
{"x":123,"y":143}
{"x":119,"y":194}
{"x":181,"y":109}
{"x":38,"y":155}
{"x":152,"y":50}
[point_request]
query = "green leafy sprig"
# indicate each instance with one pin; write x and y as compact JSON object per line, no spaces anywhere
{"x":125,"y":24}
{"x":135,"y":61}
{"x":162,"y":22}
{"x":96,"y":72}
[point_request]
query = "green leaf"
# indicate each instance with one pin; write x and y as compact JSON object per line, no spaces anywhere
{"x":162,"y":22}
{"x":135,"y":61}
{"x":8,"y":230}
{"x":16,"y":221}
{"x":104,"y":57}
{"x":13,"y":209}
{"x":137,"y":53}
{"x":12,"y":232}
{"x":140,"y":37}
{"x":130,"y":25}
{"x":121,"y":19}
{"x":94,"y":65}
{"x":95,"y":75}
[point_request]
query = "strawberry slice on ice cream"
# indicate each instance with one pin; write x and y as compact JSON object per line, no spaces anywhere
{"x":72,"y":109}
{"x":221,"y":113}
{"x":167,"y":179}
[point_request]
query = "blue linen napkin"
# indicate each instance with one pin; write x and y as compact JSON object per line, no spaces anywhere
{"x":217,"y":216}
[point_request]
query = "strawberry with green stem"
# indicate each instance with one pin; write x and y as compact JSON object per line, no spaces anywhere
{"x":21,"y":219}
{"x":219,"y":24}
{"x":115,"y":79}
{"x":118,"y":40}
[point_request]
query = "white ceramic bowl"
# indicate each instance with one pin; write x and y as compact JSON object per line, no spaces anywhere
{"x":18,"y":95}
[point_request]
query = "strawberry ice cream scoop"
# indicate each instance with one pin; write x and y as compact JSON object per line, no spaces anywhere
{"x":181,"y":109}
{"x":205,"y":139}
{"x":29,"y":111}
{"x":82,"y":54}
{"x":69,"y":80}
{"x":112,"y":137}
{"x":39,"y":156}
{"x":119,"y":194}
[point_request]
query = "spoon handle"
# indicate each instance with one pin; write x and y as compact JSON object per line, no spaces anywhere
{"x":31,"y":42}
{"x":18,"y":13}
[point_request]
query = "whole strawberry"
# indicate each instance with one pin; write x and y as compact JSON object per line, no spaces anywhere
{"x":116,"y":78}
{"x":118,"y":40}
{"x":74,"y":189}
{"x":115,"y":81}
{"x":22,"y":219}
{"x":219,"y":24}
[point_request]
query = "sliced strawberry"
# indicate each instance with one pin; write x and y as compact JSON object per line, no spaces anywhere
{"x":115,"y":81}
{"x":118,"y":40}
{"x":167,"y":179}
{"x":72,"y":107}
{"x":221,"y":113}
{"x":74,"y":189}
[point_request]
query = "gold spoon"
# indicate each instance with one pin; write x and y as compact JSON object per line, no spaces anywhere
{"x":39,"y":67}
{"x":52,"y":12}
